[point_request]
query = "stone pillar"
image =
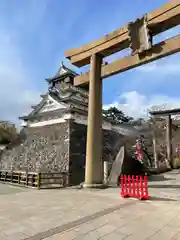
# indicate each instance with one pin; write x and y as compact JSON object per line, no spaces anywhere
{"x":154,"y":146}
{"x":94,"y":164}
{"x":155,"y":153}
{"x":106,"y":170}
{"x":169,"y":138}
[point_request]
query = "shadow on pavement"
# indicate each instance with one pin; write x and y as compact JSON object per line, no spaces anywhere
{"x":174,"y":173}
{"x":164,"y":186}
{"x":158,"y":178}
{"x":153,"y":198}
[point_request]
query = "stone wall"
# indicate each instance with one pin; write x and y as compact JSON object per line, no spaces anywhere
{"x":112,"y":141}
{"x":44,"y":149}
{"x":57,"y":148}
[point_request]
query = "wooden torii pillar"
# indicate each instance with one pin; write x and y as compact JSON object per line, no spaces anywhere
{"x":94,"y":164}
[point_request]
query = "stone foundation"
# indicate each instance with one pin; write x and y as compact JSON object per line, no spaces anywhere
{"x":44,"y":149}
{"x":57,"y":148}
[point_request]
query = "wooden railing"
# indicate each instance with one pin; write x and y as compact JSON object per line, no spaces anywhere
{"x":37,"y":180}
{"x":53,"y":180}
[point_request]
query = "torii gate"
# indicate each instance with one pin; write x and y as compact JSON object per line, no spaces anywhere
{"x":166,"y":113}
{"x":137,"y":35}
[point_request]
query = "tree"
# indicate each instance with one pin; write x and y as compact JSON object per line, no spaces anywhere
{"x":116,"y":115}
{"x":8,"y":132}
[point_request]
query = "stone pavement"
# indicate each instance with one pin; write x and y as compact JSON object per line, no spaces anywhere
{"x":91,"y":214}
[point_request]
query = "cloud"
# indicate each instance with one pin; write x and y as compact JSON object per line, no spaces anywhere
{"x":163,"y":67}
{"x":137,"y":105}
{"x":17,"y":91}
{"x":167,"y":69}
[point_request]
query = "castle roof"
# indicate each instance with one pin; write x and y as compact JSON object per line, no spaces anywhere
{"x":61,"y":73}
{"x":61,"y":98}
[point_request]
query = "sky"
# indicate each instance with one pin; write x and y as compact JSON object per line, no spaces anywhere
{"x":35,"y":34}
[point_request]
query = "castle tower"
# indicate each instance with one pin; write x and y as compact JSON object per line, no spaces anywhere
{"x":54,"y":138}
